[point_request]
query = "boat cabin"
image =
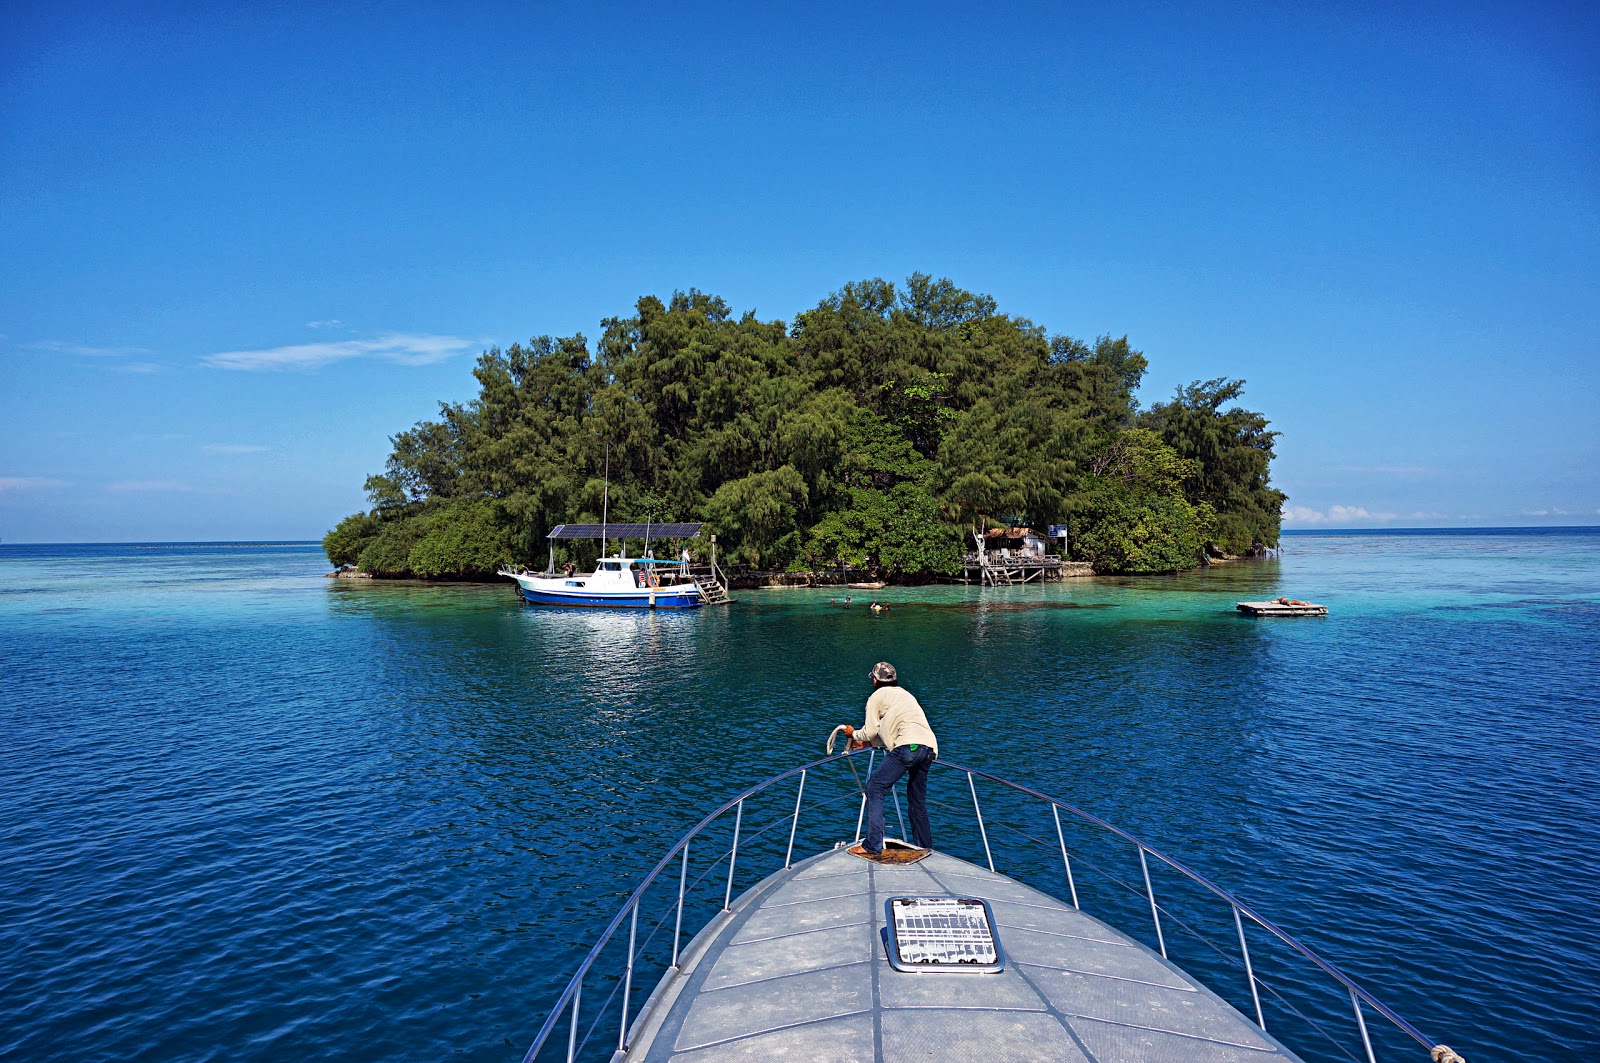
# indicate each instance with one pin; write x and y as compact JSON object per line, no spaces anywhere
{"x":636,"y":572}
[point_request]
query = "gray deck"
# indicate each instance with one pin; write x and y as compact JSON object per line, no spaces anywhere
{"x":797,"y":972}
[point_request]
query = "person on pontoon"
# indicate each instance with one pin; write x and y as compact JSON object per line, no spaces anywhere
{"x":895,"y":722}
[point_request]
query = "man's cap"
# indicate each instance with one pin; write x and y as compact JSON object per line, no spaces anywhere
{"x":883,"y":672}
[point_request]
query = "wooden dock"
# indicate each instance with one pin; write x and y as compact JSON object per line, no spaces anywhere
{"x":1282,"y":607}
{"x":993,"y":570}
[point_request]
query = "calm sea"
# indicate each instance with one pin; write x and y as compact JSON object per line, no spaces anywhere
{"x":250,"y":813}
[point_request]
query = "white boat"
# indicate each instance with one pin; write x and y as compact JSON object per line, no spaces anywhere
{"x":831,"y":957}
{"x":622,"y":582}
{"x":616,"y":583}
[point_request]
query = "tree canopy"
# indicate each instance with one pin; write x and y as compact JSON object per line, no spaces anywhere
{"x":872,"y":432}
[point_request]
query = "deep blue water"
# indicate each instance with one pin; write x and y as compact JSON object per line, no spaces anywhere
{"x":250,"y":813}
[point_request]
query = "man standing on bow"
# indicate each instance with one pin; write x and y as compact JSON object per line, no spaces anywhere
{"x":895,"y":722}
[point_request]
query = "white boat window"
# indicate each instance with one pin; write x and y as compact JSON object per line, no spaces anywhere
{"x":612,"y":566}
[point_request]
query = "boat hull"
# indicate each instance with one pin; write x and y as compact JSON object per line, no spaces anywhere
{"x":583,"y":598}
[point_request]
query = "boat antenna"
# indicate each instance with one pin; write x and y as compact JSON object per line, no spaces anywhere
{"x":605,"y":502}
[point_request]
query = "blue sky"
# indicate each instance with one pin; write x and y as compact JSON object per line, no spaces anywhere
{"x":242,"y":248}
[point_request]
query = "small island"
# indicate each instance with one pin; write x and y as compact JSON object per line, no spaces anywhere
{"x":880,"y":435}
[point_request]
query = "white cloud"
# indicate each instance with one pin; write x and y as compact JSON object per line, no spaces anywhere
{"x":1338,"y":515}
{"x":332,"y":322}
{"x":395,"y":347}
{"x":30,"y":483}
{"x":149,"y":487}
{"x":235,"y":448}
{"x":1358,"y":516}
{"x":57,"y":347}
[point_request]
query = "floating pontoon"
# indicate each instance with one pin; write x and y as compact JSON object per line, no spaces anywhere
{"x":1282,"y":607}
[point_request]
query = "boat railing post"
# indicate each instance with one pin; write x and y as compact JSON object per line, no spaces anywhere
{"x":794,"y":825}
{"x":683,"y":879}
{"x":572,"y":1035}
{"x":1155,"y":913}
{"x":1249,"y":972}
{"x":1366,"y":1041}
{"x":982,"y":830}
{"x":899,"y":815}
{"x":872,"y":758}
{"x":627,"y":982}
{"x":733,"y":855}
{"x":1071,"y":885}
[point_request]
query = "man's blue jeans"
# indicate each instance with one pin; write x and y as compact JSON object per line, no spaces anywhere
{"x":897,"y":762}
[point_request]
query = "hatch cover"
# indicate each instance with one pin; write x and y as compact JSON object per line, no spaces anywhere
{"x":946,"y":935}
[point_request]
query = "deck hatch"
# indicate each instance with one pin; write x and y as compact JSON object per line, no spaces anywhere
{"x":944,"y":935}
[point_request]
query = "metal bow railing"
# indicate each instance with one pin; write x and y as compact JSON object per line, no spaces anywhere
{"x":570,"y":1001}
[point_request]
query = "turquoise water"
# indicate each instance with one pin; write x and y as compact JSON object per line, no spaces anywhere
{"x":249,"y":813}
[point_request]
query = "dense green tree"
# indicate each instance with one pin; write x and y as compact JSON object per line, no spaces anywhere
{"x":389,"y":552}
{"x":1103,"y":377}
{"x":428,"y":459}
{"x":530,"y":451}
{"x":896,"y":533}
{"x":897,"y":353}
{"x":755,"y":512}
{"x":344,"y":543}
{"x":1232,"y":451}
{"x":1014,"y":457}
{"x":1136,"y":518}
{"x":463,"y":538}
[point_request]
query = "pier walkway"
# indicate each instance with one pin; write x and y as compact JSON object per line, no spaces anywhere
{"x":992,"y":569}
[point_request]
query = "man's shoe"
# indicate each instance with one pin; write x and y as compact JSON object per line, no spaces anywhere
{"x":865,"y":853}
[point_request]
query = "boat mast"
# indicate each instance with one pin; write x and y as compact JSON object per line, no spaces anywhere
{"x":605,"y":502}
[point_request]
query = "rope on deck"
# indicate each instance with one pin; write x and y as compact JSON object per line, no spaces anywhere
{"x":1445,"y":1054}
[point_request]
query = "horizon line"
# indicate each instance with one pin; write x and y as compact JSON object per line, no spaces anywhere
{"x":1285,"y":531}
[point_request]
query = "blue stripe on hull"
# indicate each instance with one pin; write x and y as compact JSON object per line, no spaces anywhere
{"x":612,"y":601}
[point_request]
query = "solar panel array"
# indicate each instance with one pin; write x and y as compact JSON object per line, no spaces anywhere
{"x":625,"y":531}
